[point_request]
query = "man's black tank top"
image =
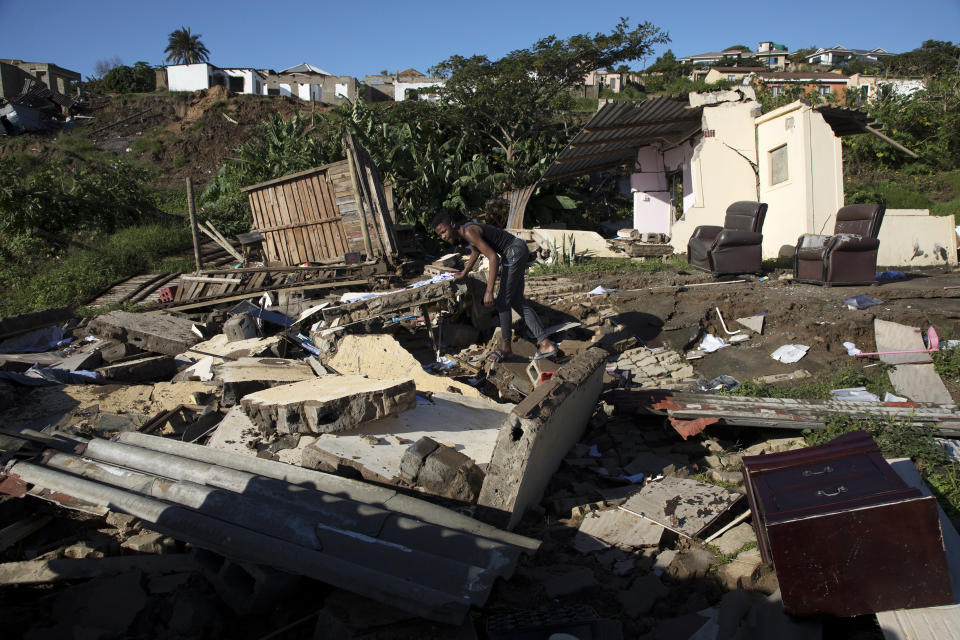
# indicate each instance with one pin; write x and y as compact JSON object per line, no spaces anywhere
{"x":496,"y":237}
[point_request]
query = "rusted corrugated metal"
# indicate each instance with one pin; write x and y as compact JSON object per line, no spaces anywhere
{"x":612,"y":136}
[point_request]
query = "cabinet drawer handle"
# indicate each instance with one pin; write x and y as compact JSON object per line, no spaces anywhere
{"x":827,"y":494}
{"x":807,"y":473}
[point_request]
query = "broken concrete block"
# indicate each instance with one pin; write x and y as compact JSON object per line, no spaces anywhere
{"x":237,"y":378}
{"x":735,"y":539}
{"x":414,"y":457}
{"x":154,"y":331}
{"x":448,"y":473}
{"x":615,"y":527}
{"x":222,"y":349}
{"x":379,"y":356}
{"x":236,"y":434}
{"x":642,"y":595}
{"x":329,"y":404}
{"x":123,"y":522}
{"x":141,"y":369}
{"x":145,"y":542}
{"x":376,"y":449}
{"x":86,"y":358}
{"x":536,"y":436}
{"x":738,"y":573}
{"x":113,"y":351}
{"x":240,"y":327}
{"x":691,"y":564}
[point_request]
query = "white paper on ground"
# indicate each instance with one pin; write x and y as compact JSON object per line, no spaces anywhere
{"x":790,"y":353}
{"x":711,"y":343}
{"x":601,"y":291}
{"x":889,"y":397}
{"x":854,"y":394}
{"x":851,"y":349}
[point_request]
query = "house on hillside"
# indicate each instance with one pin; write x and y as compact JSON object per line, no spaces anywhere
{"x":730,"y":74}
{"x":203,"y":75}
{"x":768,"y":54}
{"x":312,"y":84}
{"x":825,"y":83}
{"x":873,"y":87}
{"x":839,"y":55}
{"x":402,"y":85}
{"x":56,"y":78}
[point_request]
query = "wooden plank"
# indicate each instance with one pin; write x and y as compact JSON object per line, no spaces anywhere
{"x":308,"y":201}
{"x":327,"y":211}
{"x":304,"y":234}
{"x":14,"y":533}
{"x":338,"y":237}
{"x":260,"y":219}
{"x":208,"y":279}
{"x":308,"y":216}
{"x":289,"y":236}
{"x":277,"y":217}
{"x":254,"y":294}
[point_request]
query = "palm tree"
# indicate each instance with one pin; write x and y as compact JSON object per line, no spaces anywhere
{"x":186,"y":48}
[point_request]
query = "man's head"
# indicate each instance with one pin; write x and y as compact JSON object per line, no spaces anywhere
{"x":446,"y":227}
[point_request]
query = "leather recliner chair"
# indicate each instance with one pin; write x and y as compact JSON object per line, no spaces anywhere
{"x":847,"y":257}
{"x":733,"y":248}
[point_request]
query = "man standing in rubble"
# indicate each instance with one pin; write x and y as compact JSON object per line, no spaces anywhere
{"x":508,"y":253}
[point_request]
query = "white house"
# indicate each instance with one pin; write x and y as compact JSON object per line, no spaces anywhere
{"x":203,"y":75}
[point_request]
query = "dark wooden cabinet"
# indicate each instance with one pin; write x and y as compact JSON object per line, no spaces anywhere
{"x":846,"y":535}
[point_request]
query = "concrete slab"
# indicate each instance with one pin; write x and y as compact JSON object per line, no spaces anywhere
{"x":615,"y":528}
{"x":328,"y":404}
{"x":219,"y":345}
{"x":236,"y":434}
{"x":154,"y":331}
{"x":237,"y":378}
{"x":680,"y":504}
{"x":376,"y":449}
{"x":380,"y":356}
{"x":141,"y":369}
{"x":536,"y":436}
{"x":733,"y":540}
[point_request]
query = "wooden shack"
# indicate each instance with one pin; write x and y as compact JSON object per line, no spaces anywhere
{"x":324,"y":213}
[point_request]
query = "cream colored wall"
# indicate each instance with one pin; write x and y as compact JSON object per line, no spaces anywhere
{"x":720,"y":169}
{"x":813,"y":191}
{"x":914,"y":238}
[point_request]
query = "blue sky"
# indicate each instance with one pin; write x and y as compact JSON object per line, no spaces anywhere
{"x":353,"y":38}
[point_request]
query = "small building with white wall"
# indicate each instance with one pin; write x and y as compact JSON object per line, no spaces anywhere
{"x":203,"y":75}
{"x":689,"y":163}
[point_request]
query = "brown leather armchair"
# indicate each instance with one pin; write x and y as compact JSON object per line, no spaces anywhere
{"x":734,"y":247}
{"x":849,"y":256}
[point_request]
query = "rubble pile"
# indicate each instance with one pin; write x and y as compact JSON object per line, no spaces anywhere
{"x":357,"y":460}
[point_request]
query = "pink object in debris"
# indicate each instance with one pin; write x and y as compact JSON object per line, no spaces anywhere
{"x":933,"y":344}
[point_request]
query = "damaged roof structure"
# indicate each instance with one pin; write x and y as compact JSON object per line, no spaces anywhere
{"x":312,"y":428}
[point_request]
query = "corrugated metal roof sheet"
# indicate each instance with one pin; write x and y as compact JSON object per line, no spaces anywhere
{"x":614,"y":134}
{"x":845,"y":121}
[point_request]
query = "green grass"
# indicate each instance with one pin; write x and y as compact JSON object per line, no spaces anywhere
{"x":585,"y":105}
{"x":946,"y":363}
{"x":80,"y":148}
{"x":607,"y":265}
{"x":818,"y":388}
{"x":75,"y":279}
{"x":170,"y":200}
{"x":781,"y":262}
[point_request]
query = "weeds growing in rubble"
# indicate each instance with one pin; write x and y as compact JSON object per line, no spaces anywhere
{"x":946,"y":363}
{"x":78,"y":277}
{"x":876,"y":381}
{"x":900,"y":439}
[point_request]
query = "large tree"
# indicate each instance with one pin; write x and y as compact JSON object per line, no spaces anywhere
{"x":513,"y":100}
{"x":184,"y":47}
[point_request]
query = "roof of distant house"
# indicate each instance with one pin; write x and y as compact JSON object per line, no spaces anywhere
{"x":739,"y":69}
{"x":411,"y":73}
{"x":801,"y":75}
{"x":305,"y":67}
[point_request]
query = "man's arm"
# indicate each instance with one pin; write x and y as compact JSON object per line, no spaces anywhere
{"x":479,"y":245}
{"x":467,"y":268}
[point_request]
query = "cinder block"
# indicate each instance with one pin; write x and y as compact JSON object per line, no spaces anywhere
{"x":245,"y":587}
{"x":449,"y":473}
{"x":414,"y":456}
{"x":240,"y":327}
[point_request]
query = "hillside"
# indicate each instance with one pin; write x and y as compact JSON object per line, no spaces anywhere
{"x":175,"y":135}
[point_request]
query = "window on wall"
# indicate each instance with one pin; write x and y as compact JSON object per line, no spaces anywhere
{"x":778,"y":165}
{"x":825,"y":90}
{"x":776,"y":91}
{"x":236,"y":84}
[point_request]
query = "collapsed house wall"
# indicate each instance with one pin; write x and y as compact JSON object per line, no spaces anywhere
{"x":536,"y":436}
